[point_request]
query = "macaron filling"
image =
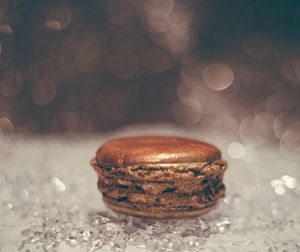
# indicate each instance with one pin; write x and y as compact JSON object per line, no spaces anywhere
{"x":170,"y":186}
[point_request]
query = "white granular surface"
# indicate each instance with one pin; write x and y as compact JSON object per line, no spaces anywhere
{"x":49,"y":201}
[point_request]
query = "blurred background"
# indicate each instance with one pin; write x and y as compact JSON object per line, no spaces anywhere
{"x":93,"y":66}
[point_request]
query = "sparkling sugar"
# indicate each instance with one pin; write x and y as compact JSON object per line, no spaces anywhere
{"x":47,"y":204}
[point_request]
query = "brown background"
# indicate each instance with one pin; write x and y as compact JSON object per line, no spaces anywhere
{"x":85,"y":66}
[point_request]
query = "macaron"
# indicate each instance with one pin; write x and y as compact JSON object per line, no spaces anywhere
{"x":160,"y":176}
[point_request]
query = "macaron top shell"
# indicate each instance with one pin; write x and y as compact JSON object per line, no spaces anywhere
{"x":155,"y":150}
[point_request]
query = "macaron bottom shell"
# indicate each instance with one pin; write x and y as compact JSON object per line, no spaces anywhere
{"x":159,"y":213}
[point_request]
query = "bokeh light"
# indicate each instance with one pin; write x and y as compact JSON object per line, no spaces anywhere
{"x":59,"y":18}
{"x":291,"y":69}
{"x":6,"y":126}
{"x":197,"y":64}
{"x":257,"y":46}
{"x":185,"y":114}
{"x":289,"y":181}
{"x":236,"y":150}
{"x":191,"y":75}
{"x":43,"y":92}
{"x":12,"y":83}
{"x":218,"y":76}
{"x":59,"y":185}
{"x":290,"y":139}
{"x":6,"y":29}
{"x":279,"y":189}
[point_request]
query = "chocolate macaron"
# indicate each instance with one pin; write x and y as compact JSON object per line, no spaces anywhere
{"x":160,"y":177}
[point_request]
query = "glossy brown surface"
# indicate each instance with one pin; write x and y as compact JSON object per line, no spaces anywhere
{"x":155,"y":150}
